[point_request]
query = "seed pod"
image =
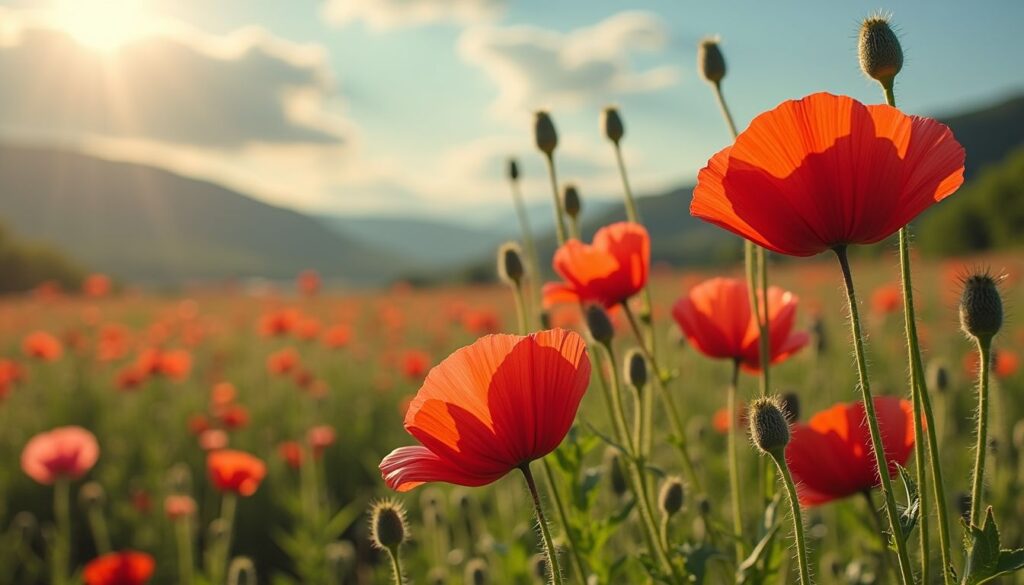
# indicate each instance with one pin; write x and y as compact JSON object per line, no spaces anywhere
{"x":613,"y":464}
{"x":513,"y":169}
{"x":710,"y":60}
{"x":791,"y":407}
{"x":671,"y":497}
{"x":981,"y":307}
{"x":881,"y":56}
{"x":510,"y":264}
{"x":611,"y":123}
{"x":544,"y":132}
{"x":599,"y":325}
{"x":768,"y":426}
{"x":635,"y":368}
{"x":571,"y":201}
{"x":388,"y":527}
{"x":476,"y":572}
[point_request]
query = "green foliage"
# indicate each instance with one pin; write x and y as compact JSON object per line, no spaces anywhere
{"x":24,"y":265}
{"x":985,"y":560}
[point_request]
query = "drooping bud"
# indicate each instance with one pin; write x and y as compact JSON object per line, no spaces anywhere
{"x":513,"y":169}
{"x":768,"y":426}
{"x":544,"y":132}
{"x":671,"y":496}
{"x":878,"y":47}
{"x":611,"y":123}
{"x":819,"y":335}
{"x":613,"y":465}
{"x":635,"y":368}
{"x":476,"y":572}
{"x":791,"y":407}
{"x":981,"y":307}
{"x":938,"y":377}
{"x":571,"y":201}
{"x":510,"y":264}
{"x":241,"y":570}
{"x":388,"y":527}
{"x":599,"y":325}
{"x":710,"y":60}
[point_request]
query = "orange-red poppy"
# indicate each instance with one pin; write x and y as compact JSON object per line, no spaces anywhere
{"x":320,"y":438}
{"x":234,"y":416}
{"x":126,"y":567}
{"x":283,"y":361}
{"x":11,"y":373}
{"x":491,"y":407}
{"x":308,"y":282}
{"x":235,"y":471}
{"x":610,"y":270}
{"x":279,"y":322}
{"x":831,"y":455}
{"x":716,"y":319}
{"x":43,"y":346}
{"x":1005,"y":363}
{"x":64,"y":452}
{"x":213,"y":439}
{"x":886,"y":299}
{"x":96,"y":285}
{"x":177,"y":506}
{"x":826,"y":171}
{"x":291,"y":453}
{"x":337,"y":336}
{"x":415,"y":363}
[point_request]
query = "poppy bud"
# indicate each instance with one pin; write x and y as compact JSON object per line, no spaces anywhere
{"x":544,"y":132}
{"x":612,"y":124}
{"x":981,"y":307}
{"x":635,"y":368}
{"x":881,"y":56}
{"x":571,"y":201}
{"x":476,"y":572}
{"x":92,"y":495}
{"x":938,"y":377}
{"x":710,"y":61}
{"x":540,"y":567}
{"x":545,"y":319}
{"x":768,"y":425}
{"x":241,"y":570}
{"x":671,"y":496}
{"x":437,"y":576}
{"x":388,"y":528}
{"x":791,"y":407}
{"x":963,"y":504}
{"x":819,"y":335}
{"x":614,"y":469}
{"x":703,"y":506}
{"x":510,"y":264}
{"x":599,"y":325}
{"x":513,"y":169}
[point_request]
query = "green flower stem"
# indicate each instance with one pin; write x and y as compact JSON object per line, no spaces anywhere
{"x":632,"y":214}
{"x":734,"y":465}
{"x":98,"y":528}
{"x":396,"y":565}
{"x":61,"y":555}
{"x":798,"y":521}
{"x":549,"y":544}
{"x":978,"y":484}
{"x":559,"y":213}
{"x":532,"y":262}
{"x":670,"y":404}
{"x":517,"y":294}
{"x":563,"y":517}
{"x":183,"y":532}
{"x":878,"y":448}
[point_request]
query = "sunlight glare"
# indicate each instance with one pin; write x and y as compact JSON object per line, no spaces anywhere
{"x":102,"y":24}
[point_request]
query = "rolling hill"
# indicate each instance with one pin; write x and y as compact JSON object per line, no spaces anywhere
{"x":145,"y":224}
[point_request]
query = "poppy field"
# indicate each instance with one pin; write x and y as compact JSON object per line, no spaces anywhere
{"x":832,"y":409}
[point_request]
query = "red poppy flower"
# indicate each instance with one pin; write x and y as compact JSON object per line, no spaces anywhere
{"x":320,"y":438}
{"x":126,"y":567}
{"x":235,"y":471}
{"x":278,"y":323}
{"x":307,"y":328}
{"x":291,"y":453}
{"x":337,"y":336}
{"x":886,"y":299}
{"x":716,"y":319}
{"x":213,"y":439}
{"x":64,"y":452}
{"x":283,"y":361}
{"x":42,"y":346}
{"x":233,"y":417}
{"x":179,"y":506}
{"x":1005,"y":363}
{"x":308,"y":282}
{"x":826,"y":171}
{"x":223,"y":394}
{"x":609,"y":271}
{"x":831,"y":455}
{"x":490,"y":407}
{"x":131,"y":377}
{"x":415,"y":364}
{"x":96,"y":285}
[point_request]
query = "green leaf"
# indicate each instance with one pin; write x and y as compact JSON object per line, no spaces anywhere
{"x":911,"y":513}
{"x":985,"y":560}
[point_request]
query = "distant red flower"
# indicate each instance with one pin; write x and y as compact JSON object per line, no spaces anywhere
{"x":831,"y":456}
{"x":213,"y":440}
{"x":320,"y":438}
{"x":886,"y":299}
{"x":175,"y":364}
{"x":223,"y":394}
{"x":64,"y":452}
{"x":716,"y":319}
{"x":720,"y":421}
{"x":96,"y":285}
{"x":197,"y":423}
{"x":235,"y":471}
{"x":337,"y":336}
{"x":308,"y":282}
{"x":291,"y":453}
{"x":278,"y":323}
{"x":826,"y":171}
{"x":120,"y":568}
{"x":233,"y":417}
{"x":307,"y":328}
{"x":609,"y":271}
{"x":43,"y":346}
{"x":415,"y":364}
{"x":283,"y":361}
{"x":141,"y":501}
{"x":131,"y":377}
{"x":1005,"y":363}
{"x":113,"y":343}
{"x":481,"y":322}
{"x":491,"y":407}
{"x":11,"y":373}
{"x":179,"y":506}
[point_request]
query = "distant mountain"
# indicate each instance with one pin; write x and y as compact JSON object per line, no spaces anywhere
{"x":145,"y":224}
{"x":990,"y":133}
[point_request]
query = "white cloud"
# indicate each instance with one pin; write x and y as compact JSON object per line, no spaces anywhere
{"x":535,"y":67}
{"x":389,"y":14}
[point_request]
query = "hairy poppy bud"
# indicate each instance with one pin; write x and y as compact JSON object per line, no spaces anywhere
{"x":599,"y":325}
{"x":703,"y":506}
{"x":540,"y":567}
{"x":611,"y":122}
{"x":92,"y":495}
{"x":614,"y":469}
{"x":671,"y":496}
{"x":476,"y":572}
{"x":635,"y":368}
{"x":819,"y":335}
{"x":571,"y":201}
{"x":710,"y":61}
{"x":981,"y":307}
{"x":513,"y":169}
{"x":881,"y":56}
{"x":510,"y":264}
{"x":938,"y":377}
{"x":791,"y":407}
{"x":437,"y":576}
{"x":388,"y":528}
{"x":544,"y":132}
{"x":768,"y":425}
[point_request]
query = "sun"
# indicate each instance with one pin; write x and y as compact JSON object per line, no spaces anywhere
{"x":104,"y":25}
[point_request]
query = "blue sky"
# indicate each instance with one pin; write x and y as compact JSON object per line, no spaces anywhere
{"x":411,"y":106}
